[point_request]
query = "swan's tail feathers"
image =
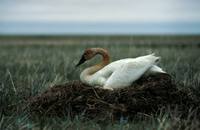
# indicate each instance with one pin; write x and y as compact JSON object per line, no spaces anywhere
{"x":156,"y":69}
{"x":157,"y":59}
{"x":153,"y":58}
{"x":153,"y":54}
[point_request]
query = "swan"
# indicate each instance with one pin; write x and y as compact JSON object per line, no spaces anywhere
{"x":118,"y":74}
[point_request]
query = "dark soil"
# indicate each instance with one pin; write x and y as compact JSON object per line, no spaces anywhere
{"x":147,"y":95}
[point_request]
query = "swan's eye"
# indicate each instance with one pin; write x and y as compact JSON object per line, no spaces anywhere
{"x":88,"y":54}
{"x":85,"y":55}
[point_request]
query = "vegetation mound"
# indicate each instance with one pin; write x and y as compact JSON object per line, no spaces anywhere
{"x":146,"y":95}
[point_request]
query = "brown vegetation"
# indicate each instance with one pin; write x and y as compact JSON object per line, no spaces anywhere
{"x":147,"y":95}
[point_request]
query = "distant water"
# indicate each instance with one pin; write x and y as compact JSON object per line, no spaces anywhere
{"x":99,"y":28}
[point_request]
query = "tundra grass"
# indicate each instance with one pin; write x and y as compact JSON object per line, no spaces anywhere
{"x":27,"y":70}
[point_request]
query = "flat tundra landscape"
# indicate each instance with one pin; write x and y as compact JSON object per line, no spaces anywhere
{"x":30,"y":65}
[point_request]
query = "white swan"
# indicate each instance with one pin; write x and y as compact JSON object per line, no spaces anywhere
{"x":118,"y":74}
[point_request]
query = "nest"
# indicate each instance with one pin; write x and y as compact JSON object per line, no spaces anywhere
{"x":146,"y":95}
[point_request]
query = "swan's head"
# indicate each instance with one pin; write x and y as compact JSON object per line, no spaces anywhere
{"x":87,"y":55}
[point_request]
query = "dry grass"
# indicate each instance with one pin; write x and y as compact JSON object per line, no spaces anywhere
{"x":145,"y":96}
{"x":29,"y":70}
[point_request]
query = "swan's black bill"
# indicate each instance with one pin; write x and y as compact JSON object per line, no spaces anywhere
{"x":82,"y":60}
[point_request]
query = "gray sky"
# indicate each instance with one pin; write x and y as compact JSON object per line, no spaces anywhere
{"x":99,"y":16}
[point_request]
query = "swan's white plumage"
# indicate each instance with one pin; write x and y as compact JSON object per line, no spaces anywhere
{"x":130,"y":72}
{"x":122,"y":73}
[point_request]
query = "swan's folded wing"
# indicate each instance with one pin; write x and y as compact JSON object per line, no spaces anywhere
{"x":127,"y":74}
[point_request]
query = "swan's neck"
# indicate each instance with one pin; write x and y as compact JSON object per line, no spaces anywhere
{"x":88,"y":72}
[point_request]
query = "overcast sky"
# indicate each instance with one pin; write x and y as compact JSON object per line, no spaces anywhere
{"x":99,"y":16}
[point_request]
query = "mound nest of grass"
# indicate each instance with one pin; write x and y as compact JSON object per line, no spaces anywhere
{"x":146,"y":95}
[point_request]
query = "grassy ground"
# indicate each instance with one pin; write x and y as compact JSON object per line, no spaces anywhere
{"x":27,"y":70}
